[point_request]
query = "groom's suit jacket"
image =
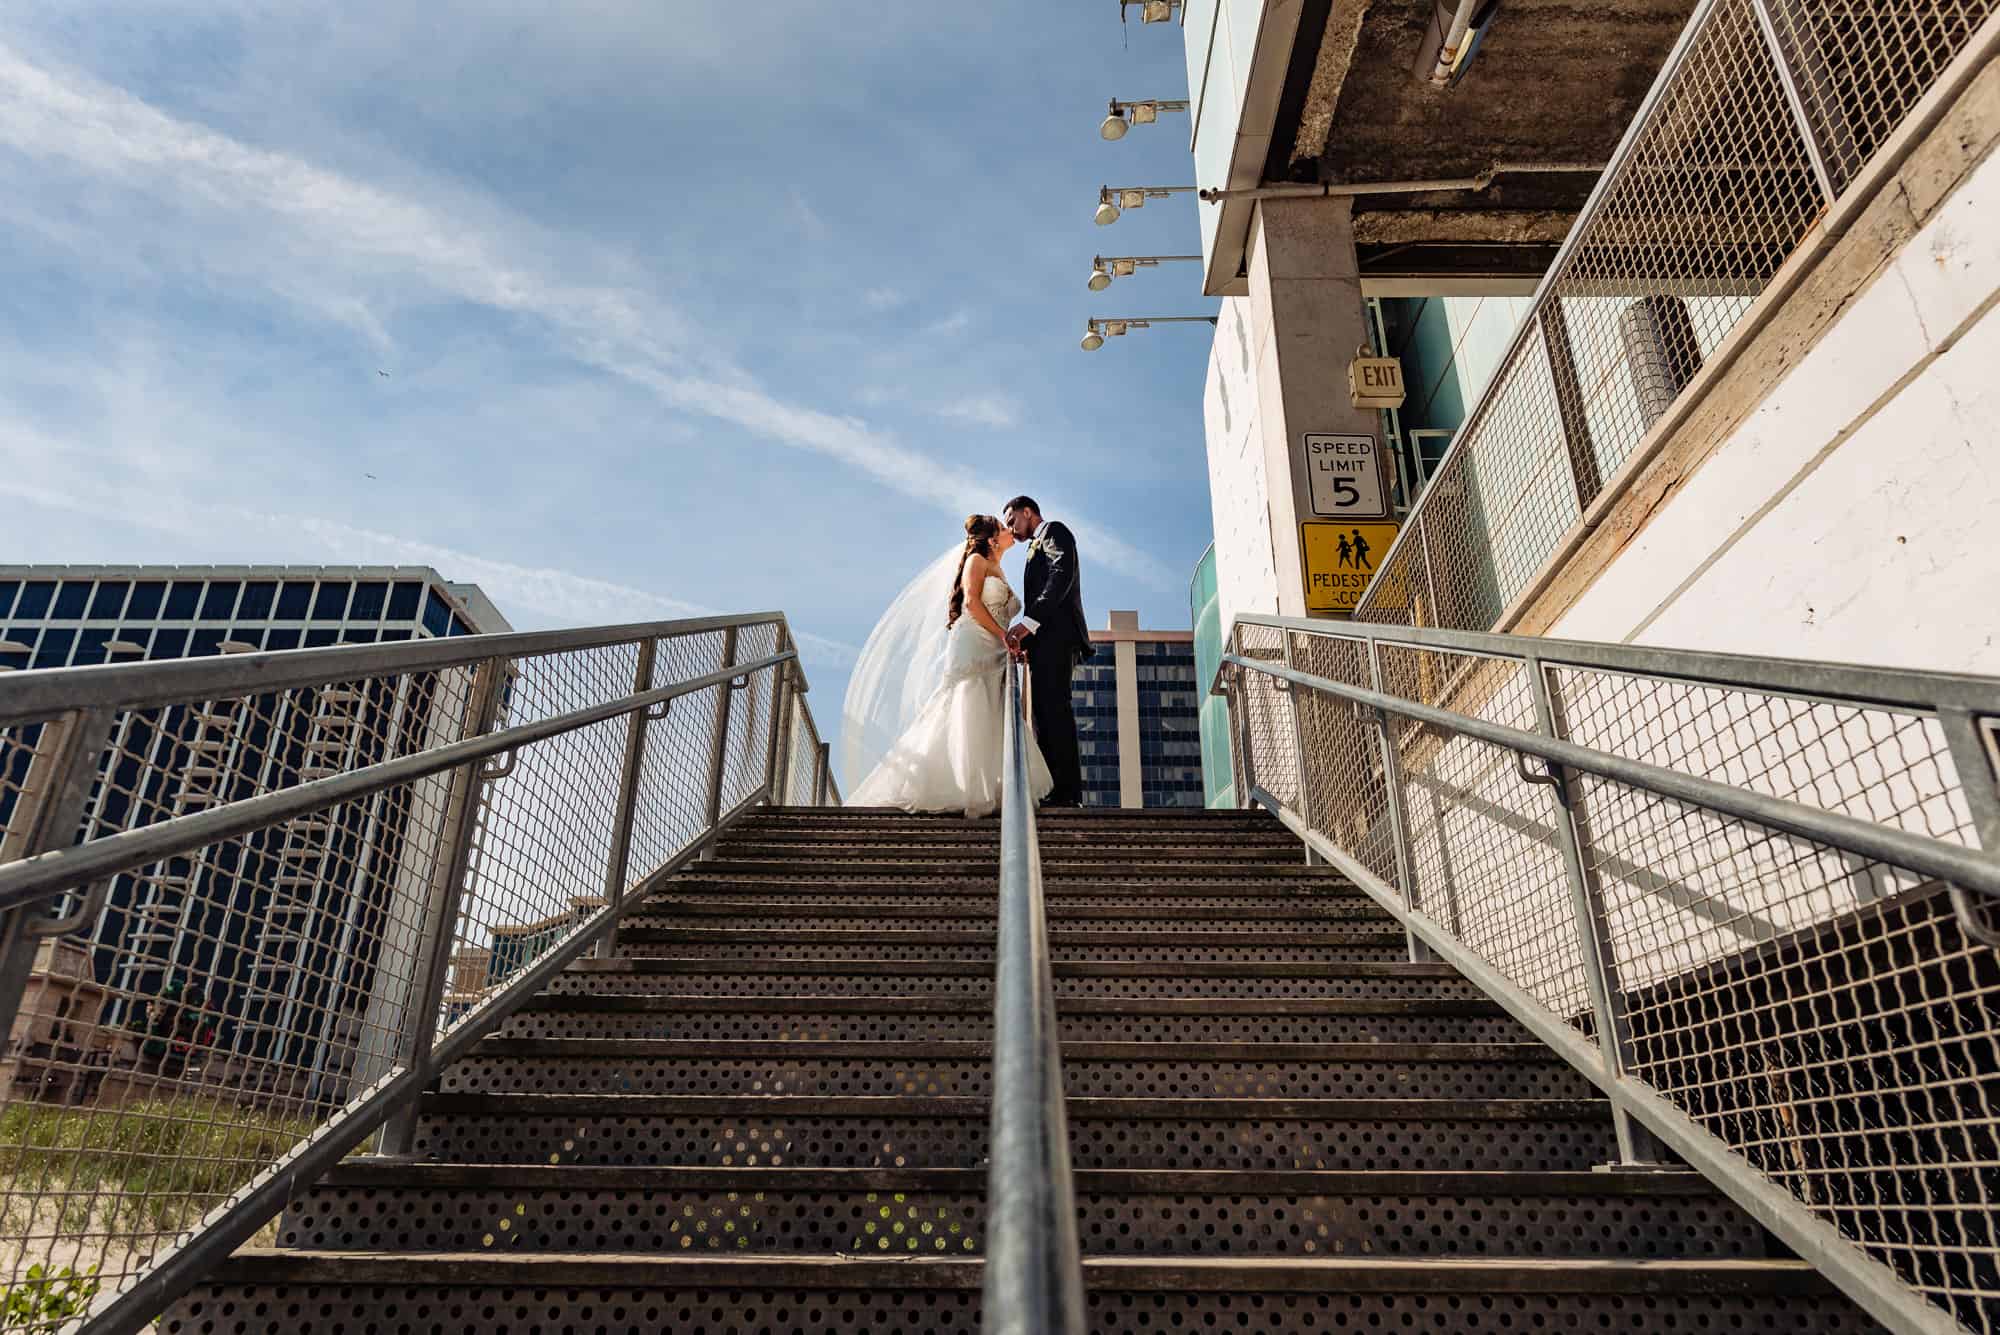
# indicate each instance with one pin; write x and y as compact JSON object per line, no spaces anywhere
{"x":1053,"y":598}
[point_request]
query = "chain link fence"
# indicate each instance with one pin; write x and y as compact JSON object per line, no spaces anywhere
{"x":250,"y":903}
{"x":1755,"y":898}
{"x":1764,"y":113}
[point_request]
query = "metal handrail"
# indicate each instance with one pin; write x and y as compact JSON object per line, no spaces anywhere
{"x":53,"y":872}
{"x":1033,"y":1274}
{"x":432,"y":751}
{"x":1627,"y":1007}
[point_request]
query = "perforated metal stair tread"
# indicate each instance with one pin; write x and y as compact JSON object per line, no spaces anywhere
{"x":959,"y":910}
{"x":947,"y":1049}
{"x":649,"y":1003}
{"x":664,"y":964}
{"x":420,"y":1173}
{"x":1055,"y":870}
{"x":257,"y":1265}
{"x":1057,"y":937}
{"x":1079,"y":1109}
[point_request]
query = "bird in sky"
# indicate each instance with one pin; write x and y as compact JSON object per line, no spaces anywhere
{"x":384,"y":374}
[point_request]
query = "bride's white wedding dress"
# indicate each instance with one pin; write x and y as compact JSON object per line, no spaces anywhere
{"x":951,"y":756}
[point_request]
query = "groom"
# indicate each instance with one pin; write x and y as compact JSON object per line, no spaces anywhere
{"x":1054,"y":635}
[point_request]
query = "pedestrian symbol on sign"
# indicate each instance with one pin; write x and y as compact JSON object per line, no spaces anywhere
{"x":1355,"y":553}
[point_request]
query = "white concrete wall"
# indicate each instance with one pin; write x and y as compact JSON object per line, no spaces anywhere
{"x":1238,"y":490}
{"x":1855,"y":515}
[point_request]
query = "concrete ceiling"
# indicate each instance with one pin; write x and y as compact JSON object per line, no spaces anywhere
{"x":1552,"y":83}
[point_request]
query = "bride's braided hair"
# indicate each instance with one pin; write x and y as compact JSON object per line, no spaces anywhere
{"x":980,"y":530}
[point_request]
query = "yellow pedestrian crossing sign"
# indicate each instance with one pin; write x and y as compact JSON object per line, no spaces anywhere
{"x":1340,"y":559}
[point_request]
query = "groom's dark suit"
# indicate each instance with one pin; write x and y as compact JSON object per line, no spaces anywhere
{"x":1053,"y":600}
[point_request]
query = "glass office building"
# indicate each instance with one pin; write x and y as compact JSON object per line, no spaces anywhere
{"x":1218,"y":770}
{"x":1135,"y":716}
{"x":252,"y":934}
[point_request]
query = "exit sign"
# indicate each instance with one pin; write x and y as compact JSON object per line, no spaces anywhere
{"x":1375,"y":382}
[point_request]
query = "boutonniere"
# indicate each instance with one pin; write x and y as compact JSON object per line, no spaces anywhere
{"x":1037,"y":545}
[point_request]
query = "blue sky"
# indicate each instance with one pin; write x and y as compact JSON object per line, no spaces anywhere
{"x":715,"y":306}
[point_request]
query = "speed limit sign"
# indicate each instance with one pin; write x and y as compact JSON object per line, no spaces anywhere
{"x":1346,"y":476}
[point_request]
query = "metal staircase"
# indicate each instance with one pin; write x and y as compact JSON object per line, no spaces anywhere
{"x":767,"y":1111}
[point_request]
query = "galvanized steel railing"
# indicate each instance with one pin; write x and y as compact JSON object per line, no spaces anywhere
{"x":1033,"y":1281}
{"x":1754,"y":900}
{"x":1763,"y":134}
{"x":250,"y":905}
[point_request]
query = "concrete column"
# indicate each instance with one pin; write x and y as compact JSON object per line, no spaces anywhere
{"x":1307,"y":319}
{"x":1125,"y":657}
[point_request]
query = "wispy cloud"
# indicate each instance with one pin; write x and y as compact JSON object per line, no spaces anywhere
{"x":995,"y":410}
{"x":950,"y":325}
{"x":30,"y":475}
{"x":331,"y":243}
{"x":883,"y":298}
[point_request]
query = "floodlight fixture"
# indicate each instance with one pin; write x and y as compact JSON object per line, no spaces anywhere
{"x":1114,"y":200}
{"x":1124,"y":115}
{"x":1098,"y":327}
{"x":1103,"y":270}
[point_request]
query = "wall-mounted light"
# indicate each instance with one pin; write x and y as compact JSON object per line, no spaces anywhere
{"x":1124,"y":115}
{"x":1103,"y":270}
{"x":1111,"y":201}
{"x":1151,"y":11}
{"x":1098,"y":328}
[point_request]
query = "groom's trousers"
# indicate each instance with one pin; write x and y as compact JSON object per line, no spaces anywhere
{"x":1049,"y":670}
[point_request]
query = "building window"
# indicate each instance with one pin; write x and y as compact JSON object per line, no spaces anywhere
{"x":183,"y":597}
{"x":147,"y":595}
{"x":220,"y":602}
{"x":403,"y":600}
{"x":295,"y":600}
{"x":71,"y":599}
{"x":370,"y":596}
{"x":258,"y":596}
{"x":330,"y":604}
{"x":109,"y":601}
{"x":35,"y":597}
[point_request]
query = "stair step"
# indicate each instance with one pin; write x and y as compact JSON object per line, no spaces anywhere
{"x":643,"y":1293}
{"x":917,"y":1019}
{"x":1126,"y":1133}
{"x":835,"y":868}
{"x":405,"y":1205}
{"x":963,"y":1068}
{"x":754,"y":977}
{"x":796,"y":890}
{"x":915,"y":915}
{"x":1300,"y":946}
{"x":1073,"y":855}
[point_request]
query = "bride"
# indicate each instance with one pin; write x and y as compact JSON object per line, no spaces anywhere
{"x":950,"y":757}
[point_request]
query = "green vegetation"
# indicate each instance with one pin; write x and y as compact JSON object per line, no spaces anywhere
{"x":45,"y":1298}
{"x":151,"y":1166}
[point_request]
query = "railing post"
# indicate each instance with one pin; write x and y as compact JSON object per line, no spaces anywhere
{"x":1239,"y":723}
{"x":1586,"y":479}
{"x":1636,"y":1145}
{"x":825,"y":760}
{"x":777,"y":726}
{"x":1788,"y":80}
{"x":1445,"y":872}
{"x":1976,"y":758}
{"x":781,"y":777}
{"x":433,"y":953}
{"x":1399,"y":824}
{"x":47,"y":812}
{"x":1299,"y":749}
{"x":718,"y":741}
{"x":628,"y":797}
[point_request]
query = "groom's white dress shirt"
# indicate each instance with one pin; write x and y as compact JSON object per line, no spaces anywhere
{"x":1032,"y":624}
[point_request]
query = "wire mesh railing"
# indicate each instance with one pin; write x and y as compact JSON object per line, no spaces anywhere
{"x":1763,"y":115}
{"x":248,"y":905}
{"x":1753,"y":899}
